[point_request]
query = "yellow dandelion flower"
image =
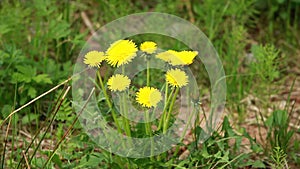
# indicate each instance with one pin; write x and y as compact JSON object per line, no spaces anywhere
{"x":170,"y":56}
{"x":176,"y":78}
{"x":121,"y":52}
{"x":118,"y":82}
{"x":186,"y":57}
{"x":94,"y":58}
{"x":148,"y":47}
{"x":175,"y":59}
{"x":178,"y":58}
{"x":148,"y":97}
{"x":166,"y":56}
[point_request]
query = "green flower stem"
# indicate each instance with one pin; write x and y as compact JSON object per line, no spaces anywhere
{"x":165,"y":105}
{"x":125,"y":110}
{"x":164,"y":114}
{"x":109,"y":103}
{"x":146,"y":118}
{"x":148,"y":73}
{"x":149,"y":133}
{"x":121,"y":109}
{"x":148,"y":125}
{"x":166,"y":122}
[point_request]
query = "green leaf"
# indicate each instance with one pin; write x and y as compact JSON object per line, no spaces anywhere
{"x":280,"y":1}
{"x":258,"y":164}
{"x":4,"y":29}
{"x":57,"y":160}
{"x":281,"y":117}
{"x":26,"y":70}
{"x":19,"y":77}
{"x":24,"y":74}
{"x":6,"y":110}
{"x":89,"y":161}
{"x":59,"y":29}
{"x":227,"y":128}
{"x":42,"y":78}
{"x":269,"y":121}
{"x":225,"y":157}
{"x":31,"y":92}
{"x":218,"y":155}
{"x":204,"y":153}
{"x":28,"y":118}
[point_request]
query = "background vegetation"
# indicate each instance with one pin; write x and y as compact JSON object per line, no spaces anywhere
{"x":258,"y":42}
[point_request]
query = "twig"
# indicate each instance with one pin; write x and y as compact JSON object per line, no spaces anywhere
{"x":28,"y":166}
{"x":188,"y":6}
{"x":37,"y":132}
{"x":40,"y":96}
{"x":25,"y":134}
{"x":5,"y":143}
{"x":35,"y":99}
{"x":69,"y":129}
{"x":53,"y":117}
{"x":88,"y":23}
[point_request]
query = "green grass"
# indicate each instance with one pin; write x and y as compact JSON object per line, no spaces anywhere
{"x":257,"y":41}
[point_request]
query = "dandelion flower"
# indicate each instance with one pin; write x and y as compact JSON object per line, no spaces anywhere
{"x":166,"y":56}
{"x":148,"y":97}
{"x":178,"y":58}
{"x":94,"y":58}
{"x":121,"y":52}
{"x":176,"y":78}
{"x":186,"y":57}
{"x":148,"y":47}
{"x":118,"y":82}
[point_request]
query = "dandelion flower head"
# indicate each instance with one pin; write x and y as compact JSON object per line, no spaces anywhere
{"x":118,"y":82}
{"x":185,"y":57}
{"x":94,"y":58}
{"x":166,"y":56}
{"x":178,"y":58}
{"x":148,"y":97}
{"x":176,"y":78}
{"x":148,"y":47}
{"x":121,"y":52}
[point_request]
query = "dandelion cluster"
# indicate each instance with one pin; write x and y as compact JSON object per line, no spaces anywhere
{"x":122,"y":52}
